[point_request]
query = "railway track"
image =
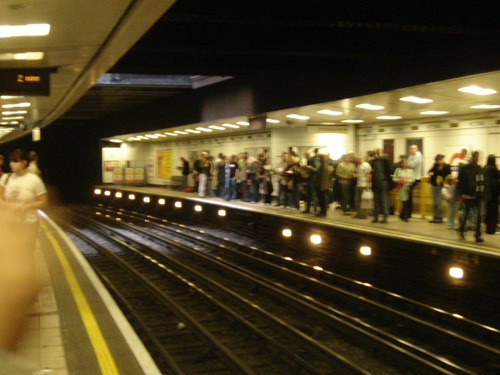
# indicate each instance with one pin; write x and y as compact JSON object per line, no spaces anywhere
{"x":249,"y":311}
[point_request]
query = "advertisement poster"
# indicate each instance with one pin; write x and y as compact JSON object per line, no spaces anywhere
{"x":164,"y":163}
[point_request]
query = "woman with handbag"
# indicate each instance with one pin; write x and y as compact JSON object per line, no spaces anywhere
{"x":404,"y":177}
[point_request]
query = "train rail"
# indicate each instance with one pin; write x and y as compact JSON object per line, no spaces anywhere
{"x":260,"y":313}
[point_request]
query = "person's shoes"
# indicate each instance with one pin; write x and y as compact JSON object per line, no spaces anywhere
{"x":306,"y":212}
{"x":384,"y":221}
{"x":449,"y":228}
{"x":405,"y":220}
{"x":320,"y":214}
{"x":355,"y":216}
{"x":375,"y":220}
{"x":479,"y":239}
{"x":461,"y":234}
{"x":435,"y":221}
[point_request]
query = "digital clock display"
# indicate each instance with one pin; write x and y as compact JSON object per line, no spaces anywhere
{"x":26,"y":82}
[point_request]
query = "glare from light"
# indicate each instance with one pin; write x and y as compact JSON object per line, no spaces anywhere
{"x":287,"y":233}
{"x":415,"y":99}
{"x":298,"y":117}
{"x":198,"y":208}
{"x":161,"y":201}
{"x":133,"y":139}
{"x":118,"y":194}
{"x":330,"y":112}
{"x":21,"y":56}
{"x":116,"y":140}
{"x":352,"y":121}
{"x":178,"y":204}
{"x":10,"y":97}
{"x":160,"y":135}
{"x":216,"y":127}
{"x":193,"y":131}
{"x":230,"y":126}
{"x":152,"y":136}
{"x":458,"y":316}
{"x":272,"y":121}
{"x":433,"y":112}
{"x":388,"y":117}
{"x":172,"y":134}
{"x":318,"y":268}
{"x":476,"y":90}
{"x":180,"y":132}
{"x":222,"y":212}
{"x":107,"y":193}
{"x":288,"y":258}
{"x":486,"y":106}
{"x":243,"y":123}
{"x":456,"y":272}
{"x":8,"y":113}
{"x":365,"y":250}
{"x":204,"y":129}
{"x":370,"y":106}
{"x":142,"y":137}
{"x":8,"y":31}
{"x":131,"y":197}
{"x":97,"y":191}
{"x":316,"y":239}
{"x":146,"y":199}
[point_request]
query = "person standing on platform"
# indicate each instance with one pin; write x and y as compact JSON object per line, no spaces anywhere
{"x":322,"y":179}
{"x":185,"y":172}
{"x":346,"y":171}
{"x":21,"y":194}
{"x":308,"y":171}
{"x":1,"y":164}
{"x":491,"y":193}
{"x":415,"y":162}
{"x":450,"y":195}
{"x":470,"y":188}
{"x":266,"y":184}
{"x":381,"y":174}
{"x":204,"y":168}
{"x":210,"y":176}
{"x":231,"y":174}
{"x":220,"y":166}
{"x":404,"y":177}
{"x":33,"y":164}
{"x":363,"y":171}
{"x":438,"y":173}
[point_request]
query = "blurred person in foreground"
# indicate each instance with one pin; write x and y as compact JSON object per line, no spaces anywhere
{"x":21,"y":194}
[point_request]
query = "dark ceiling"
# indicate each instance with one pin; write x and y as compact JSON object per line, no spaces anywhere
{"x":410,"y":42}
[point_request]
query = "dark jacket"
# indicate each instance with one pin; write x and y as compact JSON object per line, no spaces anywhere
{"x":491,"y":183}
{"x":381,"y":170}
{"x":471,"y":181}
{"x":435,"y":172}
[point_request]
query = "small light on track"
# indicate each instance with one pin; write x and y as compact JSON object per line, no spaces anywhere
{"x":131,"y":197}
{"x":316,"y":239}
{"x":222,"y":212}
{"x":178,"y":204}
{"x":146,"y":199}
{"x":456,"y":272}
{"x":97,"y":191}
{"x":198,"y":208}
{"x":161,"y":201}
{"x":365,"y":250}
{"x":287,"y":233}
{"x":107,"y":193}
{"x":118,"y":194}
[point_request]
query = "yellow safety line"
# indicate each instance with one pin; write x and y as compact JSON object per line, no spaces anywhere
{"x":102,"y":352}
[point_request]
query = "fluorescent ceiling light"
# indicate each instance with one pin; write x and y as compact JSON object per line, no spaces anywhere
{"x":415,"y":99}
{"x":116,"y":140}
{"x":272,"y":121}
{"x":298,"y":117}
{"x":21,"y":56}
{"x":10,"y":97}
{"x":172,"y":134}
{"x":352,"y":121}
{"x":14,"y":112}
{"x":41,"y":29}
{"x":193,"y":131}
{"x":204,"y":129}
{"x":13,"y":118}
{"x":389,"y":117}
{"x":476,"y":90}
{"x":243,"y":123}
{"x":142,"y":137}
{"x":370,"y":106}
{"x":433,"y":112}
{"x":216,"y":127}
{"x":133,"y":139}
{"x":486,"y":106}
{"x":180,"y":132}
{"x":330,"y":112}
{"x":18,"y":105}
{"x":230,"y":126}
{"x":160,"y":135}
{"x":151,"y":136}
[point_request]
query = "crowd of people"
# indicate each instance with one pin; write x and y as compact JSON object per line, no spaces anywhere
{"x":356,"y":184}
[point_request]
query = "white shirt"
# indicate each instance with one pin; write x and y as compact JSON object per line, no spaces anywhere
{"x":23,"y":189}
{"x":416,"y":162}
{"x":362,"y":172}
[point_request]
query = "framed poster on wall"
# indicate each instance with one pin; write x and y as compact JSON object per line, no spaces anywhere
{"x":164,"y":163}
